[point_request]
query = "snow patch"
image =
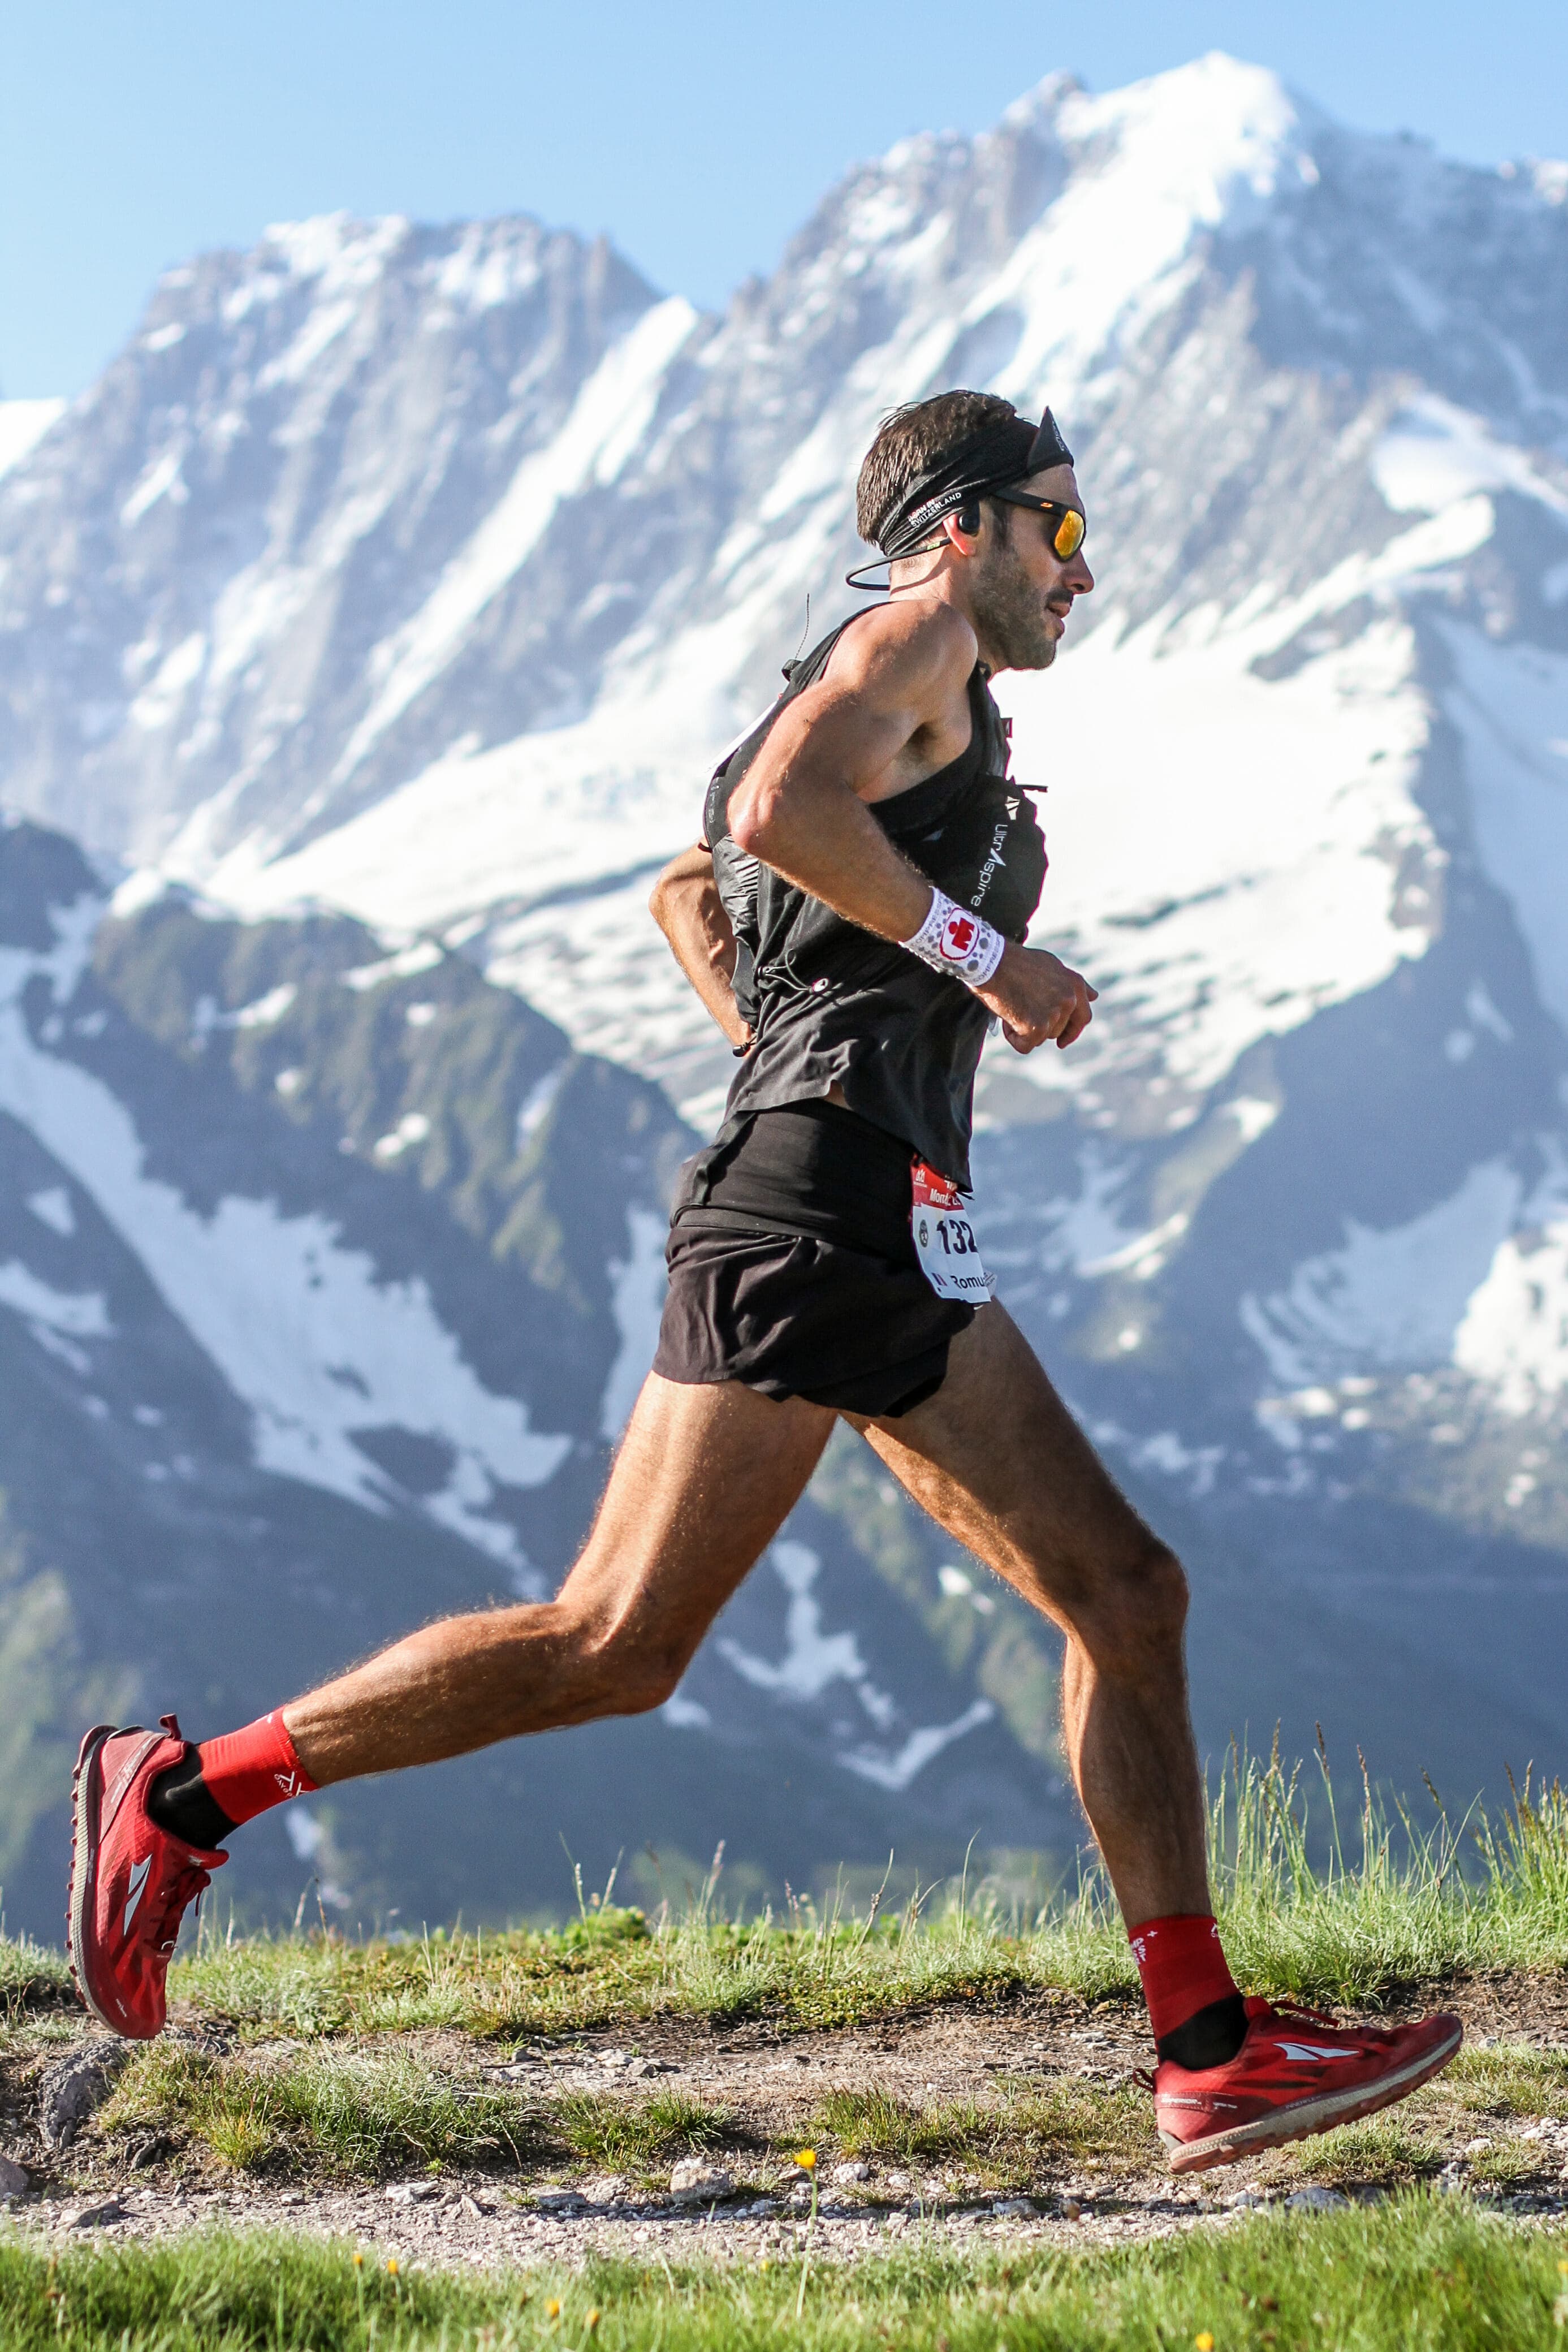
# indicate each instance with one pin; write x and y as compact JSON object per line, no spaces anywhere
{"x":1434,"y":454}
{"x":539,"y":1100}
{"x":637,"y":1301}
{"x":1509,"y":704}
{"x":1514,"y":1335}
{"x":163,"y":699}
{"x":53,"y":1206}
{"x":23,"y":424}
{"x":814,"y":1660}
{"x":895,"y":1771}
{"x":162,"y":479}
{"x":80,"y":1315}
{"x":1392,"y":1297}
{"x":422,"y":955}
{"x":686,"y":1714}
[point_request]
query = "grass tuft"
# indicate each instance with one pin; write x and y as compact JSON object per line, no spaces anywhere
{"x":1022,"y":2139}
{"x":622,"y":2135}
{"x":354,"y":2114}
{"x":31,"y":1977}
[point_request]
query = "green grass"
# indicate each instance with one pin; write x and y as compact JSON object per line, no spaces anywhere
{"x":1024,"y":2136}
{"x":31,"y":1977}
{"x":356,"y":2115}
{"x":621,"y":2135}
{"x":1385,"y":2151}
{"x":362,"y":2115}
{"x":1513,"y":2080}
{"x":1418,"y":2272}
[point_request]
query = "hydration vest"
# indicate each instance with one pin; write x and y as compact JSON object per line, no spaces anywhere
{"x":831,"y":1003}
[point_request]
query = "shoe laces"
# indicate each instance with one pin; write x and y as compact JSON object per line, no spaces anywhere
{"x":182,"y":1887}
{"x":1302,"y":2011}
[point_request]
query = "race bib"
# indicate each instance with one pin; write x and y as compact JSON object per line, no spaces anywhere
{"x":944,"y":1239}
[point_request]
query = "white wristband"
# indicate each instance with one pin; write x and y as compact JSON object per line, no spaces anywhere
{"x":953,"y":940}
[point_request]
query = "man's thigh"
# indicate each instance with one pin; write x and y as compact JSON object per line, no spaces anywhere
{"x":702,"y":1481}
{"x":997,"y":1460}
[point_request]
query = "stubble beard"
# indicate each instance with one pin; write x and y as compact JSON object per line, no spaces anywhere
{"x":1010,"y":616}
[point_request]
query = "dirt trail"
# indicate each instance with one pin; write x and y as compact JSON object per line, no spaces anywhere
{"x":1103,"y":2181}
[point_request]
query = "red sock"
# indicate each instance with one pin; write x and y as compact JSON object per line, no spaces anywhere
{"x":245,"y":1771}
{"x":1183,"y":1968}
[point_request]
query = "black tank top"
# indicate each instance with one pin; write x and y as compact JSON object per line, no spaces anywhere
{"x":830,"y":1003}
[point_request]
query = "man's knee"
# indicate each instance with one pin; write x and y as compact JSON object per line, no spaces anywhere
{"x":1135,"y":1611}
{"x":618,"y":1672}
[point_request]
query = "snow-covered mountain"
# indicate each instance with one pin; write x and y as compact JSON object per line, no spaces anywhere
{"x":419,"y":573}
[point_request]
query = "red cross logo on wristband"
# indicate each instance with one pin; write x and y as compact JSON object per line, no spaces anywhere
{"x":959,"y":933}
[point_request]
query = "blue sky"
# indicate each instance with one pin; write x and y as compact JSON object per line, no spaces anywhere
{"x":697,"y":135}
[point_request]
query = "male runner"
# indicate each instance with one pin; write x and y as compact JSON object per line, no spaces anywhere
{"x":855,"y":921}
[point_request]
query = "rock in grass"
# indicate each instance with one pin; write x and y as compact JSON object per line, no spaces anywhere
{"x":610,"y":2188}
{"x":1014,"y":2209}
{"x":412,"y":2192}
{"x":844,"y":2173}
{"x":93,"y":2217}
{"x":557,"y":2200}
{"x":694,"y":2181}
{"x":1315,"y":2200}
{"x":77,"y":2086}
{"x":13,"y":2180}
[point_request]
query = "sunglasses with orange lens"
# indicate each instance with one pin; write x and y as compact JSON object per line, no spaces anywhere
{"x":1067,"y":537}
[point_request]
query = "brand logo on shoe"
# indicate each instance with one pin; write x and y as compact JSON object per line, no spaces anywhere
{"x":134,"y":1887}
{"x":1311,"y":2050}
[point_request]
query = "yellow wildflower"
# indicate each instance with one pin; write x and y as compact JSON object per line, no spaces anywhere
{"x":806,"y":2157}
{"x":552,"y":2308}
{"x":1204,"y":2343}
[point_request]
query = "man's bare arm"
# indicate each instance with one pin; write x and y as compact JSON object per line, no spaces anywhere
{"x":802,"y":806}
{"x":685,"y":903}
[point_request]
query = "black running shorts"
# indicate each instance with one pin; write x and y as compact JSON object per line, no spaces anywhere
{"x":793,"y":1268}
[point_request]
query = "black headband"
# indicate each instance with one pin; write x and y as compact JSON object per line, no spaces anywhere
{"x":991,"y":459}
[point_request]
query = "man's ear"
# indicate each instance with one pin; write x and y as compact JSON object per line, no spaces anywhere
{"x":963,"y":525}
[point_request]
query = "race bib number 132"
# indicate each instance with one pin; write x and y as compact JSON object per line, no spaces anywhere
{"x":944,"y":1239}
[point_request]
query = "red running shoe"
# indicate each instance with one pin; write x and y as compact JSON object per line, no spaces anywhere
{"x":130,"y":1881}
{"x":1297,"y":2073}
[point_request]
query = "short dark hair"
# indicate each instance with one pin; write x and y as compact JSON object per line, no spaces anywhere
{"x":910,"y":441}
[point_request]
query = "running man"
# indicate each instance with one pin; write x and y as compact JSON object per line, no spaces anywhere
{"x":854,"y":921}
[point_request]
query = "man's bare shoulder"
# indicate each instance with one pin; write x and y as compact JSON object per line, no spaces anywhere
{"x":906,"y":650}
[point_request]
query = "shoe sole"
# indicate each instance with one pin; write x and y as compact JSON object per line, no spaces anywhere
{"x":1313,"y":2115}
{"x":85,"y":1800}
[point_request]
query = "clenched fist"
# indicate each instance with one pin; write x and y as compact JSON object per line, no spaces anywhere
{"x":1038,"y":998}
